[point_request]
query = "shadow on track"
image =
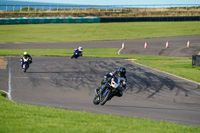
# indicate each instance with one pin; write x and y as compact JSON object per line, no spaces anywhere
{"x":141,"y":81}
{"x":153,"y":108}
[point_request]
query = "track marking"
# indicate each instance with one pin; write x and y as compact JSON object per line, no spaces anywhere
{"x":119,"y":51}
{"x":9,"y":80}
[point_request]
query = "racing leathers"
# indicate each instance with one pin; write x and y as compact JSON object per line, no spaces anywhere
{"x":27,"y":56}
{"x":77,"y":53}
{"x":107,"y":78}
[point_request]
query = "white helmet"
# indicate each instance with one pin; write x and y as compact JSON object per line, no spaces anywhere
{"x":80,"y":49}
{"x":25,"y":53}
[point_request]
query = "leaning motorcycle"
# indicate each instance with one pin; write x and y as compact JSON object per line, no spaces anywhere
{"x":75,"y":54}
{"x":108,"y":92}
{"x":26,"y":62}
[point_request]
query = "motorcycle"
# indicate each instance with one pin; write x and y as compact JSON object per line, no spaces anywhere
{"x":76,"y":54}
{"x":108,"y":92}
{"x":26,"y":61}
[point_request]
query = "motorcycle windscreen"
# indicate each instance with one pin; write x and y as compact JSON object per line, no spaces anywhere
{"x":115,"y":82}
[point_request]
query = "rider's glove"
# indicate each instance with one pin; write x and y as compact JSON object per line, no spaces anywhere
{"x":121,"y":88}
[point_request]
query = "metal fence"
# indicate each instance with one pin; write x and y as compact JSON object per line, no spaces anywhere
{"x":97,"y":8}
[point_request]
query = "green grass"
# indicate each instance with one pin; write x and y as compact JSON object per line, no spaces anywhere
{"x":180,"y":66}
{"x":95,"y":31}
{"x":100,"y":52}
{"x":23,"y":118}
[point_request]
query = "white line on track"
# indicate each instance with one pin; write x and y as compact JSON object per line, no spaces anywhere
{"x":119,"y":51}
{"x":9,"y":80}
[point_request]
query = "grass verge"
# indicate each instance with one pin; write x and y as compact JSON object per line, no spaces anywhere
{"x":95,"y":31}
{"x":20,"y":118}
{"x":180,"y":66}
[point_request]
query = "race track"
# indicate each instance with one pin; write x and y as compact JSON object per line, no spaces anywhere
{"x":69,"y":83}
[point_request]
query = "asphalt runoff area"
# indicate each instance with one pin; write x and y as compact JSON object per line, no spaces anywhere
{"x":68,"y":83}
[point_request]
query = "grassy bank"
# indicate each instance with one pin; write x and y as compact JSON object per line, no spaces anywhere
{"x":20,"y":118}
{"x":97,"y":31}
{"x":180,"y":66}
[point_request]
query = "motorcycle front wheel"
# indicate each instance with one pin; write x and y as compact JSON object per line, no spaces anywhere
{"x":24,"y":68}
{"x":96,"y":100}
{"x":106,"y":97}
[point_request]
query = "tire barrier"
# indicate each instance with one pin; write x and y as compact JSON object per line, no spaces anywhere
{"x":42,"y":20}
{"x":149,"y":19}
{"x":196,"y":60}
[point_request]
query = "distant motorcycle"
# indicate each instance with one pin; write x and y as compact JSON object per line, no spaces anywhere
{"x":76,"y":54}
{"x":26,"y":61}
{"x":108,"y":92}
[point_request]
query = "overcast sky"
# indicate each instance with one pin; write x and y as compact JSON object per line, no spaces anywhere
{"x":118,"y":2}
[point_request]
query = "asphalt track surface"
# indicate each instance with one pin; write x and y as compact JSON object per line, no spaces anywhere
{"x":69,"y":83}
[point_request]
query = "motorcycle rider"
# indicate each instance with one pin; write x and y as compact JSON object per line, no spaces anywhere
{"x":79,"y":51}
{"x":26,"y":55}
{"x":121,"y":73}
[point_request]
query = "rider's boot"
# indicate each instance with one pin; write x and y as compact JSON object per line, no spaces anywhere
{"x":96,"y":91}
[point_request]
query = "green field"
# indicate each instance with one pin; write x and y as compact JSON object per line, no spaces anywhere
{"x":23,"y":118}
{"x":17,"y":117}
{"x":95,"y":31}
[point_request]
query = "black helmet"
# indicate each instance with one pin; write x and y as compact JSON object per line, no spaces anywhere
{"x":122,"y":71}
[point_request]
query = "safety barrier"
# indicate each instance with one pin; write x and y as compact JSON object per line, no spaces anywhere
{"x":149,"y":19}
{"x":42,"y":20}
{"x":196,"y":60}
